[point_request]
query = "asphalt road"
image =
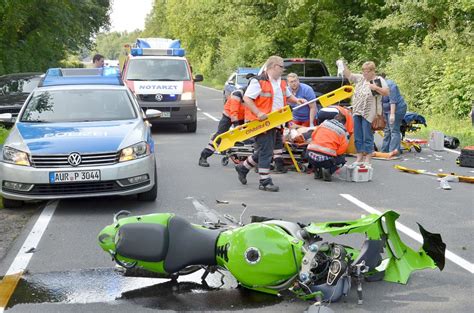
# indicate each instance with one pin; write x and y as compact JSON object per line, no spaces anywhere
{"x":68,"y":272}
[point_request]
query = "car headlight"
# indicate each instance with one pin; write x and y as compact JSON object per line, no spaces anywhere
{"x":137,"y":151}
{"x":15,"y":156}
{"x":187,"y":96}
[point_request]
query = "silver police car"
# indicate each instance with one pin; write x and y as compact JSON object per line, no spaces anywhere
{"x":81,"y":133}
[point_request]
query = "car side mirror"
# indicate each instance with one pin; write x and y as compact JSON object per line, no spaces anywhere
{"x":230,"y":82}
{"x":198,"y":78}
{"x":7,"y":119}
{"x":152,"y":114}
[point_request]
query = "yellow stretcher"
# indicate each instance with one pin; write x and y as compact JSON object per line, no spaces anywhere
{"x":463,"y":179}
{"x":243,"y":132}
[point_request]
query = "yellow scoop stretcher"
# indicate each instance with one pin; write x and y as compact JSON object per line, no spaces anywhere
{"x":248,"y":130}
{"x":461,"y":178}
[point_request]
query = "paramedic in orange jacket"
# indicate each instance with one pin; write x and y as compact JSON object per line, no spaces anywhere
{"x":234,"y":113}
{"x":328,"y":113}
{"x":329,"y":142}
{"x":266,"y":93}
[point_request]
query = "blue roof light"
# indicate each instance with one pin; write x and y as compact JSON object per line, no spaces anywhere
{"x":81,"y":76}
{"x":158,"y":46}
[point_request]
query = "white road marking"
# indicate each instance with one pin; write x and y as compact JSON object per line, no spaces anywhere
{"x":26,"y":252}
{"x":210,"y":116}
{"x":411,"y":233}
{"x":210,"y":88}
{"x":453,"y":151}
{"x":23,"y":258}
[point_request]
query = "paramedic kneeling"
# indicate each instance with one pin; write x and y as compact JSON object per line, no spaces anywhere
{"x":329,"y":142}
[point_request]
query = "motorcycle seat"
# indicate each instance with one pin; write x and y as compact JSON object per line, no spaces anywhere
{"x":143,"y":241}
{"x":189,"y":245}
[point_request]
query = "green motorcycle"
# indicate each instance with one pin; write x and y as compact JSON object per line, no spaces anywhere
{"x":270,"y":255}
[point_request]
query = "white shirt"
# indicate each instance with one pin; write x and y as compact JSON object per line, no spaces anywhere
{"x":254,"y":89}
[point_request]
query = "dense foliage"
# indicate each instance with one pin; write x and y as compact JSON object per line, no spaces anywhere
{"x":111,"y":45}
{"x":37,"y":34}
{"x":426,"y":46}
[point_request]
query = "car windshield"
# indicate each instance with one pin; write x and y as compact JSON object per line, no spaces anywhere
{"x":83,"y":105}
{"x":23,"y":85}
{"x":241,"y":80}
{"x":308,"y":69}
{"x":158,"y":69}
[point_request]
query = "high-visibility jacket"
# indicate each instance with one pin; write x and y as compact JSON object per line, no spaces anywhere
{"x":329,"y":138}
{"x":349,"y":120}
{"x":264,"y":101}
{"x":233,"y":107}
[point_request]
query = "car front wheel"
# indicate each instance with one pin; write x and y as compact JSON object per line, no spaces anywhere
{"x":151,"y":194}
{"x":191,"y":127}
{"x":12,"y":204}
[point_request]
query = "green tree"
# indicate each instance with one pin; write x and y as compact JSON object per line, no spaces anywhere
{"x":37,"y":34}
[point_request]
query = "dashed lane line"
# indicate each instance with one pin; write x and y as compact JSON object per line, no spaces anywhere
{"x":411,"y":233}
{"x":210,"y":88}
{"x":19,"y":264}
{"x":210,"y":116}
{"x":453,"y":151}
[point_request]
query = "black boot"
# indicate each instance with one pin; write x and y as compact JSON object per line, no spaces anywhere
{"x":203,"y":158}
{"x":318,"y":174}
{"x":280,"y":166}
{"x":267,"y":185}
{"x":242,"y":171}
{"x":326,"y":174}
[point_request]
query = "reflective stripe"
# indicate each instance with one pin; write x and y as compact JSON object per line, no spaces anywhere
{"x":266,"y":94}
{"x":334,"y":127}
{"x":210,"y":147}
{"x":316,"y":147}
{"x":278,"y":151}
{"x":262,"y":177}
{"x":263,"y":170}
{"x":251,"y":161}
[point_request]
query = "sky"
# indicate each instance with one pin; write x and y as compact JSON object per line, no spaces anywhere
{"x":128,"y":15}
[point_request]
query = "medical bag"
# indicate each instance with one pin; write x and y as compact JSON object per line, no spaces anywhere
{"x":466,"y":159}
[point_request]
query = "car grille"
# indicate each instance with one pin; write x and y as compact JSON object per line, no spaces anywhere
{"x":78,"y":188}
{"x":60,"y":160}
{"x":166,"y":98}
{"x":13,"y":111}
{"x":162,"y":109}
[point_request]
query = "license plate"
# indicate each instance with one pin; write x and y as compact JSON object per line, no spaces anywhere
{"x":165,"y":114}
{"x":76,"y":176}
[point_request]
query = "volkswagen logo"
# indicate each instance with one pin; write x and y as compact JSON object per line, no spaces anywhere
{"x":74,"y":159}
{"x":158,"y":97}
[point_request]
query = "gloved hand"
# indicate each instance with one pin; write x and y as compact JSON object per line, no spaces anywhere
{"x":235,"y":123}
{"x":391,"y":119}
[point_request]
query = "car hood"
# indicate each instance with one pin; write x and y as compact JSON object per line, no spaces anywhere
{"x":84,"y":137}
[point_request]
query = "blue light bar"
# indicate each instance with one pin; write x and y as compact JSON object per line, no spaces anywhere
{"x":81,"y":76}
{"x":176,"y":52}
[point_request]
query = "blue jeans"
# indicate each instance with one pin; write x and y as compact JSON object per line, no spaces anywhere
{"x":392,"y":135}
{"x":363,"y":135}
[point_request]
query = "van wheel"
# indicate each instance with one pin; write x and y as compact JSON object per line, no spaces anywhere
{"x":12,"y":204}
{"x":191,"y":127}
{"x":151,"y":194}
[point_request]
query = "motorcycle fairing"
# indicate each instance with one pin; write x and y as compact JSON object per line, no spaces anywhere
{"x":401,"y":260}
{"x":280,"y":256}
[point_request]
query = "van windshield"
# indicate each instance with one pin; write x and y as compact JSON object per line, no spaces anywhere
{"x":158,"y":69}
